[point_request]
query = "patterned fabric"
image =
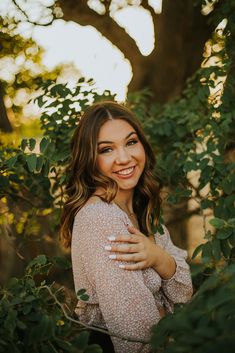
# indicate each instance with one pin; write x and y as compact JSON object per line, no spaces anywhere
{"x":124,"y":302}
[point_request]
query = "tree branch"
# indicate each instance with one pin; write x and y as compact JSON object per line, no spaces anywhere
{"x":27,"y":17}
{"x":149,"y":8}
{"x":94,"y":328}
{"x":79,"y":12}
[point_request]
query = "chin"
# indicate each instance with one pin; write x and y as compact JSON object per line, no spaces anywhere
{"x":127,"y":186}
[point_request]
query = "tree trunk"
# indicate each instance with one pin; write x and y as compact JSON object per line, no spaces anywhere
{"x":181,"y":32}
{"x":5,"y":124}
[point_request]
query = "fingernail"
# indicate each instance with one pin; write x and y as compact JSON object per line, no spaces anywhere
{"x":121,"y":266}
{"x":111,"y":238}
{"x":107,"y":247}
{"x":113,"y":256}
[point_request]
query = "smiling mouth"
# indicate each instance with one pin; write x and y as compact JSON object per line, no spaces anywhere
{"x":125,"y":171}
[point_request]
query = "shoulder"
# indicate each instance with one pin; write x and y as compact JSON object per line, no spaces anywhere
{"x":97,"y":212}
{"x":98,"y":221}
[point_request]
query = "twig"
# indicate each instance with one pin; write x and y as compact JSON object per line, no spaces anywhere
{"x":27,"y":17}
{"x":94,"y":328}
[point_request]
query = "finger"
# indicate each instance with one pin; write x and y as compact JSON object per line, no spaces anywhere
{"x":133,"y":267}
{"x":129,"y":238}
{"x":138,"y":257}
{"x":123,"y":248}
{"x":133,"y":230}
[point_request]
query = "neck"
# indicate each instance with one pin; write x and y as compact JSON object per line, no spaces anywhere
{"x":124,"y":198}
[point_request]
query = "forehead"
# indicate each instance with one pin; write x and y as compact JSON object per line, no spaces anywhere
{"x":114,"y":130}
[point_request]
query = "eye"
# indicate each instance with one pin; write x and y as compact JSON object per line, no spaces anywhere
{"x":105,"y":150}
{"x":132,"y":142}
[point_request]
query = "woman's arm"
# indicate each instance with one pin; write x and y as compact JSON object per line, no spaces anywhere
{"x":127,"y":305}
{"x":159,"y":253}
{"x":143,"y":251}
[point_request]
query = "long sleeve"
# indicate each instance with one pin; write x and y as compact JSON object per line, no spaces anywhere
{"x":127,"y":305}
{"x":178,"y":289}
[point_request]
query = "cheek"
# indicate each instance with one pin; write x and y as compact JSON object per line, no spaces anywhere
{"x":102,"y":164}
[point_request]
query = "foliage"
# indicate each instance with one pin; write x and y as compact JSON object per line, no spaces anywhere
{"x":206,"y":324}
{"x":31,"y":315}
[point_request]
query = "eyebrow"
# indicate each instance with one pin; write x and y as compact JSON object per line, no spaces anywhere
{"x":110,"y":142}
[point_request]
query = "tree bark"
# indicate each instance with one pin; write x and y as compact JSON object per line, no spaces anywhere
{"x":5,"y":124}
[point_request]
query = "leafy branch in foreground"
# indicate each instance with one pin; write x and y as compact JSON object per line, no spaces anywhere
{"x":206,"y":324}
{"x":31,"y":320}
{"x":39,"y":317}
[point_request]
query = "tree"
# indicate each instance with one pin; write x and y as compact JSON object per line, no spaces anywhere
{"x":180,"y":35}
{"x":181,"y":31}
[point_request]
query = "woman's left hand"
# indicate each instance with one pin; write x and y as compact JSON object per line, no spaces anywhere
{"x":134,"y":247}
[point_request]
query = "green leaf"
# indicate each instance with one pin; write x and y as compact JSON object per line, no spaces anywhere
{"x":189,"y":165}
{"x":81,"y":341}
{"x":32,"y":162}
{"x":24,"y":144}
{"x":216,"y":249}
{"x":228,"y":184}
{"x":62,"y":262}
{"x":66,"y":346}
{"x":84,"y":297}
{"x":61,"y":156}
{"x":207,"y":251}
{"x":40,"y":161}
{"x":203,"y":163}
{"x":32,"y":144}
{"x":42,"y":331}
{"x":217,"y":223}
{"x":231,"y":222}
{"x":10,"y":321}
{"x":81,"y":292}
{"x":45,"y":168}
{"x":207,"y":204}
{"x":44,"y":144}
{"x":12,"y":161}
{"x":197,"y":250}
{"x":225,"y":247}
{"x":40,"y":101}
{"x":30,"y":298}
{"x":38,"y":260}
{"x":21,"y":325}
{"x":224,"y":233}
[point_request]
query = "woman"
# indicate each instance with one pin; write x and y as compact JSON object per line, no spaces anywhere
{"x":132,"y":277}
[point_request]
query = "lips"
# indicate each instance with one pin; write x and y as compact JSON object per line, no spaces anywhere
{"x":126,"y":171}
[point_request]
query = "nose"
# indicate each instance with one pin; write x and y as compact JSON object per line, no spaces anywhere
{"x":123,"y":157}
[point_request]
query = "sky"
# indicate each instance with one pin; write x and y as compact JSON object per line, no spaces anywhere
{"x":92,"y":54}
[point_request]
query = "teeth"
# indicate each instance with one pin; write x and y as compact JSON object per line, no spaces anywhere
{"x":126,"y":171}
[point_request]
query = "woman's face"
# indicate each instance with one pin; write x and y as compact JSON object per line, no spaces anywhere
{"x":121,"y":155}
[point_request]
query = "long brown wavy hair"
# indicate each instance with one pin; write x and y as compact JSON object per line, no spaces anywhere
{"x":84,"y":176}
